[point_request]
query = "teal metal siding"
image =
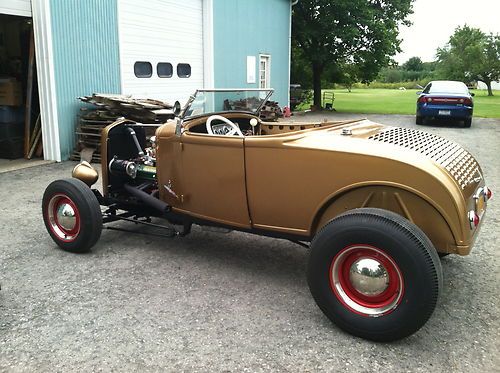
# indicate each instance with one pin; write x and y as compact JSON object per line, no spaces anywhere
{"x":86,"y":58}
{"x":248,"y":28}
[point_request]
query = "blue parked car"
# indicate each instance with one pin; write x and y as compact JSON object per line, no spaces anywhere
{"x":445,"y":99}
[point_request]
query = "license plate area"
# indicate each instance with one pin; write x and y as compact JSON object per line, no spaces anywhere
{"x":444,"y":112}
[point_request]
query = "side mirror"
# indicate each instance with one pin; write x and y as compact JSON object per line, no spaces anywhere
{"x":472,"y":94}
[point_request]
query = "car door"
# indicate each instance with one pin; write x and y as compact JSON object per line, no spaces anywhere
{"x":212,"y":180}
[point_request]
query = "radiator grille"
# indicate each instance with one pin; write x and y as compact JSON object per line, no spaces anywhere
{"x":455,"y":159}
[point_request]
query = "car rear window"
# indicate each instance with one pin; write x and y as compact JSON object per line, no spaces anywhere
{"x":446,"y":87}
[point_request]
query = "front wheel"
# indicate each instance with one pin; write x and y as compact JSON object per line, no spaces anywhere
{"x":72,"y":215}
{"x":374,"y":274}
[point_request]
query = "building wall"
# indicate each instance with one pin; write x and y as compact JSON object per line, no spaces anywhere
{"x":86,"y":57}
{"x":86,"y":60}
{"x":248,"y":28}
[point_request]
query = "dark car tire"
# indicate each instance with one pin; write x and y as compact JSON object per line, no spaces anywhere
{"x":419,"y":120}
{"x":467,"y":122}
{"x":414,"y":275}
{"x":81,"y":228}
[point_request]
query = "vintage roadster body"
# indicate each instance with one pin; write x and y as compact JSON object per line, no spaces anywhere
{"x":376,"y":203}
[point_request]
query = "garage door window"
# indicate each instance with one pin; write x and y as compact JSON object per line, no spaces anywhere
{"x":143,"y":69}
{"x":164,"y":69}
{"x":183,"y":70}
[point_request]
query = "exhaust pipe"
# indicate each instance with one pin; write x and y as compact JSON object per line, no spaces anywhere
{"x":147,"y":199}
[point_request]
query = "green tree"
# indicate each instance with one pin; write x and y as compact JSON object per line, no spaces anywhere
{"x":413,"y":64}
{"x":337,"y":32}
{"x":470,"y":55}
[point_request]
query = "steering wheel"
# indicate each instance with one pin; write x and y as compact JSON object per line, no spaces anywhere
{"x":229,"y":129}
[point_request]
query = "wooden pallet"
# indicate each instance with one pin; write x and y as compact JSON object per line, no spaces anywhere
{"x":106,"y":109}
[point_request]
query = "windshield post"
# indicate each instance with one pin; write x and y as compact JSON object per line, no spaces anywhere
{"x":188,"y":104}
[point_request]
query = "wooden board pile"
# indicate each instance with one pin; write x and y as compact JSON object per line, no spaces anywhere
{"x":106,"y":109}
{"x":271,"y":111}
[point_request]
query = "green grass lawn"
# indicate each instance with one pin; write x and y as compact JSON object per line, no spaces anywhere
{"x":393,"y":101}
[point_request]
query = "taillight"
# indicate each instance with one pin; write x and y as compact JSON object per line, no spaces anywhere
{"x":488,"y":193}
{"x":468,"y":102}
{"x":421,"y":100}
{"x":473,"y":219}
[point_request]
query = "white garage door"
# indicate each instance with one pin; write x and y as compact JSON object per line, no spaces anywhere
{"x":16,"y":7}
{"x":161,"y":48}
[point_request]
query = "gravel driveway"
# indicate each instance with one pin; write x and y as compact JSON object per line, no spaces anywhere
{"x":221,"y":302}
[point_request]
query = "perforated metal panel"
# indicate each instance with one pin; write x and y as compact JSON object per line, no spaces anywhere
{"x":455,"y":159}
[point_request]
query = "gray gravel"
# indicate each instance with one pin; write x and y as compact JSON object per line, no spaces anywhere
{"x":221,"y":302}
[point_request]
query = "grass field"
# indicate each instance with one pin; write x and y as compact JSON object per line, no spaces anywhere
{"x":393,"y":101}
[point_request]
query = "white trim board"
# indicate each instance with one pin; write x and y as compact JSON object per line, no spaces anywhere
{"x":208,"y":44}
{"x":16,"y":7}
{"x":42,"y":27}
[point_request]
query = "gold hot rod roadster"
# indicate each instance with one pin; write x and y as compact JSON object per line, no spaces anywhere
{"x":376,"y":205}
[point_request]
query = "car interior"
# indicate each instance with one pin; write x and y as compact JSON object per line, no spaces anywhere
{"x":240,"y":124}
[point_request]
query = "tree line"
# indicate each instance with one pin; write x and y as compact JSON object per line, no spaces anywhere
{"x":350,"y":41}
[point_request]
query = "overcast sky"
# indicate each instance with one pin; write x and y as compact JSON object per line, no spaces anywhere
{"x":435,"y":20}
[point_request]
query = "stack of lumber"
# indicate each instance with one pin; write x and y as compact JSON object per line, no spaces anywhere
{"x":271,"y":111}
{"x":107,"y":108}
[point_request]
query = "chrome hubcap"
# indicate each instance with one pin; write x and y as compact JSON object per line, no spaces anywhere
{"x":368,"y":276}
{"x":366,"y":280}
{"x":66,"y":216}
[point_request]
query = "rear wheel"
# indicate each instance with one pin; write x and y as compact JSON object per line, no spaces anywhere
{"x":467,"y":122}
{"x":72,"y":215}
{"x":374,"y":274}
{"x":419,"y":120}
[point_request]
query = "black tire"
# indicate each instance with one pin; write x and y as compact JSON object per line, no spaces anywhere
{"x":442,"y":255}
{"x":83,"y":229}
{"x":419,"y":120}
{"x":467,"y":122}
{"x":413,"y":282}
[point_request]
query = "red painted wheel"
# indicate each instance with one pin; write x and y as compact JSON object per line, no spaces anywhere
{"x":63,"y":217}
{"x":72,"y":215}
{"x":374,"y":274}
{"x":366,"y":280}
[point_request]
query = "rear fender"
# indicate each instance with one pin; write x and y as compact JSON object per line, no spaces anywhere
{"x":400,"y":201}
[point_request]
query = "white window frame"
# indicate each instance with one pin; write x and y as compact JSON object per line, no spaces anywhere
{"x":267,"y":72}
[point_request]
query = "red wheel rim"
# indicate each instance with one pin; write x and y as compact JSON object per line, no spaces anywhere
{"x":63,"y":217}
{"x":366,"y":280}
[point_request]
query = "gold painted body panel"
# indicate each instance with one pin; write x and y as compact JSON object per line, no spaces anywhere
{"x":294,"y":181}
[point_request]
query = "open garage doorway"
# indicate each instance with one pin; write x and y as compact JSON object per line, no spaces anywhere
{"x":20,"y":124}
